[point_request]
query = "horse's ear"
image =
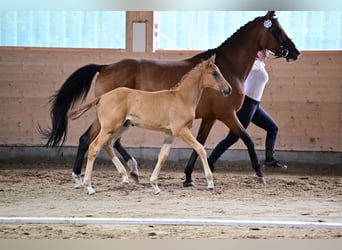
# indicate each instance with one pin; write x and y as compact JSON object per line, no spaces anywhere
{"x":270,"y":14}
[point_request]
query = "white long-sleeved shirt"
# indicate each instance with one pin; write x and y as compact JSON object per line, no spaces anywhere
{"x":256,"y":81}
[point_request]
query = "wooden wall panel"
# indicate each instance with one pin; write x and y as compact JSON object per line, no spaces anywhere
{"x":304,"y":97}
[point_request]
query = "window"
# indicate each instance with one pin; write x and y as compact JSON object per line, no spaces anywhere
{"x":199,"y":30}
{"x":75,"y":29}
{"x":178,"y":30}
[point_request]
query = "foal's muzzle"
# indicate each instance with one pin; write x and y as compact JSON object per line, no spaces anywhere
{"x":226,"y":90}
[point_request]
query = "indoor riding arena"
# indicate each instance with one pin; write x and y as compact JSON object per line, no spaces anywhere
{"x":38,"y":198}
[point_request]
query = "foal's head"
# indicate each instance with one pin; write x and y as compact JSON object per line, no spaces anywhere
{"x":212,"y":77}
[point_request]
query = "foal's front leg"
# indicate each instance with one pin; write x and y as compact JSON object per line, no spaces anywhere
{"x":186,"y":136}
{"x":163,"y":154}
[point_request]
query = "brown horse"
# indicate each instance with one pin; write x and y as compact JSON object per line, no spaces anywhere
{"x":234,"y":57}
{"x":121,"y":107}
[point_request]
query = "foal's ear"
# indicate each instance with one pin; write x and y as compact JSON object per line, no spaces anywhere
{"x":270,"y":14}
{"x":212,"y":58}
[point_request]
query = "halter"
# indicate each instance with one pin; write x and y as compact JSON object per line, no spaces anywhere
{"x":282,"y":50}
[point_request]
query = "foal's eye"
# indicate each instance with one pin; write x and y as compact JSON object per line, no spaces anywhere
{"x":215,"y":74}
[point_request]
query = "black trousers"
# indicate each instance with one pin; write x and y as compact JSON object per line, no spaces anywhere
{"x":251,"y":111}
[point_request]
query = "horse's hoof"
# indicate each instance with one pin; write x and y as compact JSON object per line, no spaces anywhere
{"x":134,"y":176}
{"x":133,"y":166}
{"x":189,"y":184}
{"x":78,"y":180}
{"x":261,"y":179}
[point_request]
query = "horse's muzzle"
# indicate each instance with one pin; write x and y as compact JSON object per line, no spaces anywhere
{"x":292,"y":57}
{"x":289,"y":54}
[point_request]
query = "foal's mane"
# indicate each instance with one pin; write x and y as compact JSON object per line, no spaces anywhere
{"x":187,"y":75}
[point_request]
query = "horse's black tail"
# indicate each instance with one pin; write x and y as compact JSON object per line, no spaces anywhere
{"x":76,"y":87}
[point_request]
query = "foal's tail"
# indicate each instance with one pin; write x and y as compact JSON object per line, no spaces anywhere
{"x":75,"y":88}
{"x":78,"y":112}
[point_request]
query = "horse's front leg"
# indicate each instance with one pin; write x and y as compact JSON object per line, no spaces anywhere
{"x":253,"y":156}
{"x":186,"y":136}
{"x":163,"y":154}
{"x":237,"y":128}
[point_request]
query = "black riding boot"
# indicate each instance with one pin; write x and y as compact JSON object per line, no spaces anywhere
{"x":271,"y":162}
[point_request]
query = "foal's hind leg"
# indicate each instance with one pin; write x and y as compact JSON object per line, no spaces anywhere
{"x":94,"y":149}
{"x":83,"y":147}
{"x":117,"y":163}
{"x":186,"y":136}
{"x":84,"y":142}
{"x":163,"y":154}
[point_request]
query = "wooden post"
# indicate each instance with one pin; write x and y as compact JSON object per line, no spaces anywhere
{"x":140,"y":37}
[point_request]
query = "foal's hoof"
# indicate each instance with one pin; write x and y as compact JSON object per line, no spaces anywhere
{"x":156,"y":190}
{"x":211,"y":185}
{"x":91,"y":191}
{"x":189,"y":184}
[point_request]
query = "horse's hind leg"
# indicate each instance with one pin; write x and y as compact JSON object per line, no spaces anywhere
{"x":163,"y":154}
{"x":83,"y":147}
{"x":81,"y":151}
{"x":187,"y":137}
{"x":131,"y":162}
{"x":116,"y":161}
{"x":202,"y":136}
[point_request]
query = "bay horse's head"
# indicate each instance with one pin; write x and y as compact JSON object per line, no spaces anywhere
{"x":277,"y":40}
{"x":213,"y":78}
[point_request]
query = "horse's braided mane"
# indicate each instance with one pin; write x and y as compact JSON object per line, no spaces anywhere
{"x":217,"y":50}
{"x":235,"y":36}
